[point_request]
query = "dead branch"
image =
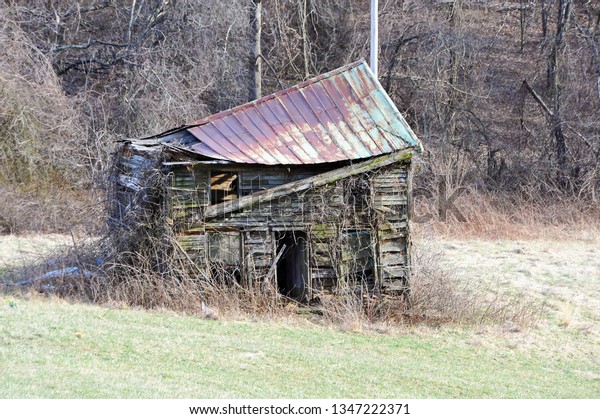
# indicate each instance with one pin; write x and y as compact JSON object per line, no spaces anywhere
{"x":538,"y":99}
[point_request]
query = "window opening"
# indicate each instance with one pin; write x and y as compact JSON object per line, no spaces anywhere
{"x":223,"y":186}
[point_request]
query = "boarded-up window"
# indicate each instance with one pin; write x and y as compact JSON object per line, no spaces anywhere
{"x":357,"y":255}
{"x":225,"y":247}
{"x":223,"y":186}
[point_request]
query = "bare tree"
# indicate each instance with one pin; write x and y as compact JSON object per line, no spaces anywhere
{"x":562,"y":22}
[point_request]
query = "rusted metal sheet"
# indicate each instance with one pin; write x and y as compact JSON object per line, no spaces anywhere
{"x":341,"y":115}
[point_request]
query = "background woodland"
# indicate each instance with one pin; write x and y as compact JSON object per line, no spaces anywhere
{"x":505,"y":95}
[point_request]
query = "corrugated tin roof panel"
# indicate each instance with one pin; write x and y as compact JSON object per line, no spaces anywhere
{"x":341,"y":115}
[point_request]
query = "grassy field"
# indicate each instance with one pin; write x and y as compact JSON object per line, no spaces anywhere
{"x":51,"y":348}
{"x":55,"y":349}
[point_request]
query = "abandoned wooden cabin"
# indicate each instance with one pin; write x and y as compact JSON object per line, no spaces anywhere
{"x":307,"y":187}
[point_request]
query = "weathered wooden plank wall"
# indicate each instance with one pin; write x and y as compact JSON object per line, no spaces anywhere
{"x":390,"y":189}
{"x":357,"y":227}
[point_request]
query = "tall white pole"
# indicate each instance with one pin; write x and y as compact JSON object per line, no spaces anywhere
{"x":257,"y":51}
{"x":374,"y":35}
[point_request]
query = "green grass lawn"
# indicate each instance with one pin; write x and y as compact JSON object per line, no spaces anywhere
{"x":54,"y":349}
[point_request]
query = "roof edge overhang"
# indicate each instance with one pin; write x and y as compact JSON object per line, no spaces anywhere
{"x":418,"y":147}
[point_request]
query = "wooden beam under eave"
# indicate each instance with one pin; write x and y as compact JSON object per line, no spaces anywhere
{"x":316,"y":181}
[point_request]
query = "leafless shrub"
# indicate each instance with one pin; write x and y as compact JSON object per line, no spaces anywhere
{"x":162,"y":278}
{"x":509,"y":216}
{"x":440,"y":294}
{"x":357,"y":309}
{"x":44,"y":179}
{"x":37,"y":122}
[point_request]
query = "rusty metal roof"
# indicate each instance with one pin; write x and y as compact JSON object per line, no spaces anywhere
{"x":341,"y":115}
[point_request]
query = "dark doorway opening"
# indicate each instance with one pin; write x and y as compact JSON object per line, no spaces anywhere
{"x":292,"y":266}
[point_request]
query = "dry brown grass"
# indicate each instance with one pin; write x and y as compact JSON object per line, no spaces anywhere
{"x":23,"y":249}
{"x":442,"y":293}
{"x":438,"y":294}
{"x":511,"y":217}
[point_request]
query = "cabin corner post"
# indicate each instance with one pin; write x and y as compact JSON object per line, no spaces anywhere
{"x":409,"y":216}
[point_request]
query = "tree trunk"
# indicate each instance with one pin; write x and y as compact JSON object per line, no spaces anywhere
{"x":455,"y":15}
{"x":553,"y":82}
{"x":544,"y":13}
{"x":522,"y":22}
{"x":305,"y":40}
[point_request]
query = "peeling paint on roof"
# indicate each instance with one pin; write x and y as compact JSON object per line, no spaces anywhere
{"x":341,"y":115}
